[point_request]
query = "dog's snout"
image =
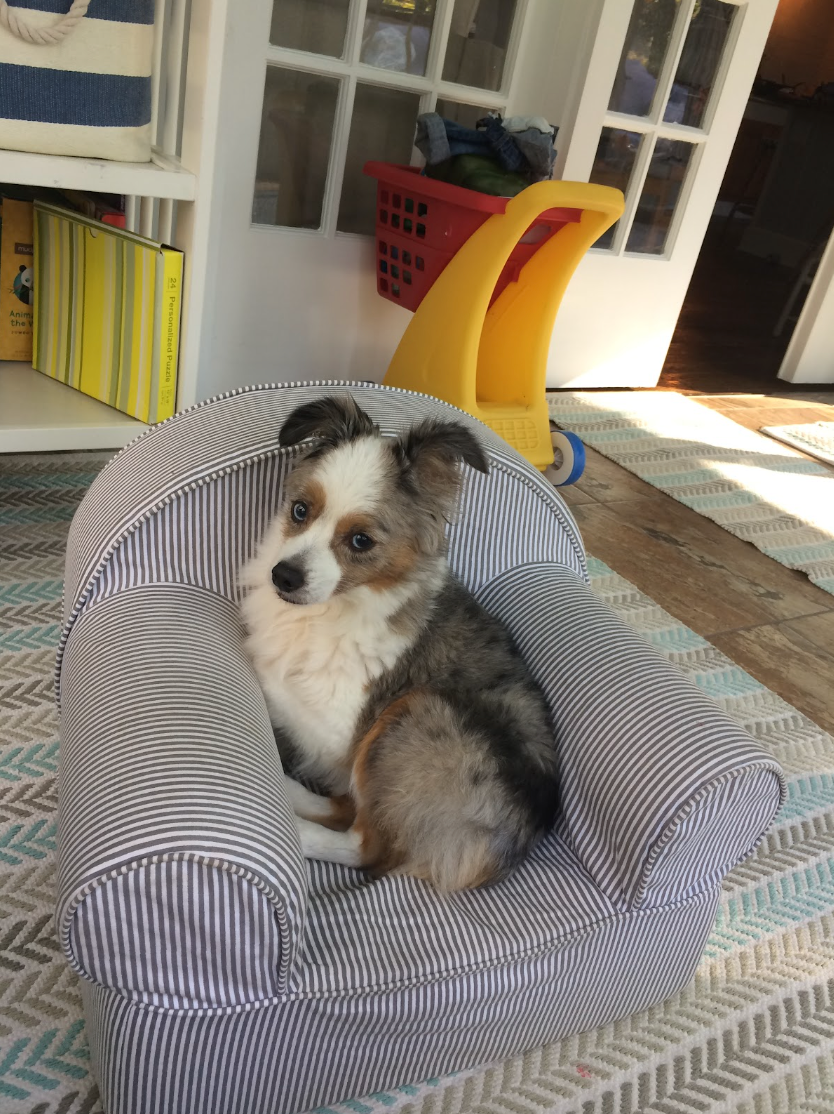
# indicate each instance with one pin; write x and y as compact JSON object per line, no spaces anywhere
{"x":287,"y":577}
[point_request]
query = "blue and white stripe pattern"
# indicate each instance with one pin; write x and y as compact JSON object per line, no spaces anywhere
{"x":224,"y":973}
{"x":90,"y":93}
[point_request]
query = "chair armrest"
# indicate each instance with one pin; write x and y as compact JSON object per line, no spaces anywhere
{"x":662,"y":793}
{"x":181,"y":879}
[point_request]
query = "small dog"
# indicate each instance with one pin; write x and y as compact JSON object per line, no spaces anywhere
{"x":387,"y":683}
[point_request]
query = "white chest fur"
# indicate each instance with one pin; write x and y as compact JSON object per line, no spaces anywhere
{"x":315,"y":664}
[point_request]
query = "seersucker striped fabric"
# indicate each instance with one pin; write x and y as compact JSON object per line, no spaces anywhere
{"x":222,"y":973}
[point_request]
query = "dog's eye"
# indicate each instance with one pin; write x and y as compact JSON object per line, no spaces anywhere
{"x":299,"y":512}
{"x":361,"y":542}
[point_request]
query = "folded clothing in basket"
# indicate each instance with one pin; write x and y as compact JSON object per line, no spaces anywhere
{"x":502,"y":156}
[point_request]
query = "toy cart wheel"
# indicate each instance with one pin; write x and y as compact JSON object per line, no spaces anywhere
{"x":569,"y":458}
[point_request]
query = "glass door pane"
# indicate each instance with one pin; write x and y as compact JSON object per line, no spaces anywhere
{"x":613,"y":166}
{"x":466,"y":114}
{"x":397,"y":34}
{"x":703,"y":49}
{"x":647,"y":42}
{"x":477,"y":49}
{"x":382,"y":128}
{"x":317,"y":26}
{"x":659,"y":197}
{"x":294,"y":148}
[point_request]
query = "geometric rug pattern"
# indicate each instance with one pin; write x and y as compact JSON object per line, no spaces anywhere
{"x":43,"y":1053}
{"x":753,"y":1034}
{"x":755,"y":488}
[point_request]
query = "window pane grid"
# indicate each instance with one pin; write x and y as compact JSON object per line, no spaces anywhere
{"x":646,"y":127}
{"x":650,"y":58}
{"x":336,"y":67}
{"x":396,"y":35}
{"x":672,"y":59}
{"x":387,"y":58}
{"x":662,"y":98}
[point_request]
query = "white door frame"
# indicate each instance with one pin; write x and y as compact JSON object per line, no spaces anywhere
{"x":809,"y":357}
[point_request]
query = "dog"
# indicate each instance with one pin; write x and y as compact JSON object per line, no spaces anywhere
{"x":387,"y":684}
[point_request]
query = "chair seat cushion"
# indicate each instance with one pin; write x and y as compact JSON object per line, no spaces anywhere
{"x":393,"y":931}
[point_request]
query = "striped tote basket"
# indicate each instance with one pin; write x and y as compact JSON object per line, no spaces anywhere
{"x":75,"y":77}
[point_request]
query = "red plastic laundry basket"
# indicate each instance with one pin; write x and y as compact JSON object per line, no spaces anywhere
{"x":421,"y":223}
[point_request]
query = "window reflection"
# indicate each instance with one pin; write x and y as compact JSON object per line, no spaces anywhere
{"x":382,"y":128}
{"x":659,"y":196}
{"x":647,"y":41}
{"x":703,"y":48}
{"x":317,"y":26}
{"x":613,"y":166}
{"x":397,"y":34}
{"x":294,"y":149}
{"x":479,"y":35}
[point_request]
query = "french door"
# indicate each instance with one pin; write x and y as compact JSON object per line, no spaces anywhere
{"x":648,"y":95}
{"x":664,"y":92}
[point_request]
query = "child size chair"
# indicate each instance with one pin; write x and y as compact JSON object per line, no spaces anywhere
{"x":223,"y":974}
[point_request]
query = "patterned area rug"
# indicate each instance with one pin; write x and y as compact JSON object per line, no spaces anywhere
{"x":754,"y":1034}
{"x":815,"y":438}
{"x":759,"y":491}
{"x":43,"y":1053}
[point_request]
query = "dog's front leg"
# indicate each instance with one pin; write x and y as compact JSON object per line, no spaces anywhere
{"x":333,"y":812}
{"x":304,"y":803}
{"x":318,"y":842}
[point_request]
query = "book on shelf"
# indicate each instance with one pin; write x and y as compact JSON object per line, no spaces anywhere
{"x":107,"y":312}
{"x":16,"y":279}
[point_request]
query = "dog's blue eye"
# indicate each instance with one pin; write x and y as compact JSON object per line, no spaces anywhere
{"x":299,"y":512}
{"x":361,"y":542}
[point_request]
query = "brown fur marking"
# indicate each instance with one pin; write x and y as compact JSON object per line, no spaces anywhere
{"x":392,"y":562}
{"x":400,"y":561}
{"x":362,"y":747}
{"x":342,"y":814}
{"x":379,"y":854}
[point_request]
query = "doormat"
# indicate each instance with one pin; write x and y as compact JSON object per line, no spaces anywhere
{"x":754,"y":1032}
{"x":755,"y":489}
{"x":815,"y":438}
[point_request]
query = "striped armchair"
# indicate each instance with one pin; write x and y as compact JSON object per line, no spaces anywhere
{"x":223,"y":974}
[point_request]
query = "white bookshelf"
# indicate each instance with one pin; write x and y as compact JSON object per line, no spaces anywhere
{"x":38,"y":413}
{"x":163,"y":177}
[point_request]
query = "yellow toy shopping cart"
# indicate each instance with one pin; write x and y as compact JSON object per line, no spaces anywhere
{"x":484,"y":276}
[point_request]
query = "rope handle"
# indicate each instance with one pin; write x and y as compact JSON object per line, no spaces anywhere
{"x":14,"y":21}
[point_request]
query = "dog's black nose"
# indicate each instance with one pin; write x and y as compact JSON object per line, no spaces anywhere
{"x":287,"y":577}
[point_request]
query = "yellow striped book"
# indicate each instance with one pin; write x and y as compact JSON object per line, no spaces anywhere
{"x":107,"y":312}
{"x":136,"y":339}
{"x":166,"y":334}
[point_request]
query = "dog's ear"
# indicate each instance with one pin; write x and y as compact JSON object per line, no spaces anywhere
{"x":429,"y":451}
{"x":330,"y":420}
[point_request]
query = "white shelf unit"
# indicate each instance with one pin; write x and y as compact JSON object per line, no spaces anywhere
{"x":163,"y":177}
{"x":37,"y":413}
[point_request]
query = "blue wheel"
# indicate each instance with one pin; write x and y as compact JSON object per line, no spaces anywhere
{"x":569,"y":458}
